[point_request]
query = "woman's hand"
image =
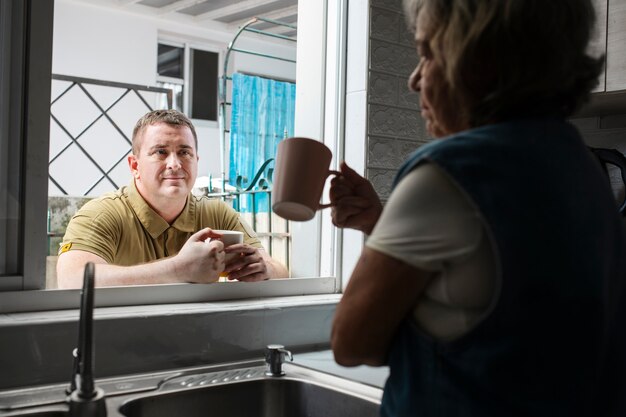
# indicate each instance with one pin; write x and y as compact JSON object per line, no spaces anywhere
{"x":354,"y":202}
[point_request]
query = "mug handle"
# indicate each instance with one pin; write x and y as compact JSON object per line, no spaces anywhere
{"x":322,"y":205}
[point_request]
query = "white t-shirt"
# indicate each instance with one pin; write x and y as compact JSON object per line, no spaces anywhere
{"x":431,"y":224}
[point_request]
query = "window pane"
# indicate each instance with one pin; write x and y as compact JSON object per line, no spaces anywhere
{"x":177,"y":96}
{"x":204,"y":85}
{"x":10,"y":186}
{"x":170,"y":61}
{"x":25,"y":66}
{"x":10,"y":150}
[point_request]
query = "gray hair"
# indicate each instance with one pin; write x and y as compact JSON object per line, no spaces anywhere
{"x":505,"y":58}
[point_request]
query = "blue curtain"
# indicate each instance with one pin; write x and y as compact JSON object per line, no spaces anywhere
{"x":262,"y":114}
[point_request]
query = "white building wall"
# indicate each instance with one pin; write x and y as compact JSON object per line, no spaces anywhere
{"x":92,"y":41}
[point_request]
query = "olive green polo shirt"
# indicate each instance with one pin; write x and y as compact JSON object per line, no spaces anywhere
{"x":123,"y":229}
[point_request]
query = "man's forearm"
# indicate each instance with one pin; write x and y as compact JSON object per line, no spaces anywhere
{"x":198,"y":261}
{"x":162,"y":271}
{"x":71,"y":266}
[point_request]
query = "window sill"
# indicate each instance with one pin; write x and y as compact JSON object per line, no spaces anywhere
{"x":156,"y":310}
{"x":146,"y":295}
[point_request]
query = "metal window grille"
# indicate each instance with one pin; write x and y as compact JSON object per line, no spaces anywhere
{"x":106,"y":108}
{"x":80,"y":111}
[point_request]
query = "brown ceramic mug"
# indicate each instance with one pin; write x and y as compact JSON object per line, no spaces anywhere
{"x":301,"y":169}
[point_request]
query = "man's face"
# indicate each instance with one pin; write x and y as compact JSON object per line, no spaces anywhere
{"x":166,"y":163}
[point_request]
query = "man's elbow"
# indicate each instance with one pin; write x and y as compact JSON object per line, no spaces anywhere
{"x":68,"y":277}
{"x":67,"y":283}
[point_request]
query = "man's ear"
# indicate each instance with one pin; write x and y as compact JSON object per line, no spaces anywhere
{"x":132,"y":165}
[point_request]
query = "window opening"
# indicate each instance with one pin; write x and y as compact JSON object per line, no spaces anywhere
{"x":171,"y":61}
{"x":203,"y":85}
{"x":265,"y":115}
{"x":199,"y":79}
{"x":171,"y":75}
{"x":179,"y":86}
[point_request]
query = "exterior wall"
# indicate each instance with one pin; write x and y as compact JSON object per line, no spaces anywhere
{"x":394,"y":125}
{"x":607,"y":132}
{"x":107,"y":44}
{"x":102,"y":43}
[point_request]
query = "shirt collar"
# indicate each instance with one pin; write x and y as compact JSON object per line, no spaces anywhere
{"x":152,"y":221}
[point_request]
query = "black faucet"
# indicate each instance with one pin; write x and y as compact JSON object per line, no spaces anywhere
{"x":84,"y":398}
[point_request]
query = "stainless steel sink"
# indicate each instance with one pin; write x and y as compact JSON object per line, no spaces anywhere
{"x":49,"y":412}
{"x":275,"y":398}
{"x":42,"y":414}
{"x":236,"y":389}
{"x":248,"y":392}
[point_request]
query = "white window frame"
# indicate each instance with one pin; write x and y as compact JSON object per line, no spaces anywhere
{"x":326,"y":92}
{"x":173,"y":80}
{"x":26,"y":75}
{"x":187,"y":46}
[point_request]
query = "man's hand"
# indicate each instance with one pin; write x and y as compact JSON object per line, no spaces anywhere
{"x":252,"y":264}
{"x":354,"y":202}
{"x":200,"y":260}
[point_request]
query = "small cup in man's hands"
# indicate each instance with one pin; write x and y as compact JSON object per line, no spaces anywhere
{"x":229,"y":237}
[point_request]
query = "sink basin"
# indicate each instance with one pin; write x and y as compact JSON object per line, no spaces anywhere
{"x":316,"y":396}
{"x":43,"y":414}
{"x":39,"y":413}
{"x":227,"y":390}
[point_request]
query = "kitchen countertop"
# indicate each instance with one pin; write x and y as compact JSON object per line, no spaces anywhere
{"x":320,"y":361}
{"x":324,"y":361}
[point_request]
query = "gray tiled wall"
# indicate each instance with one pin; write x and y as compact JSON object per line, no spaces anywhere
{"x":607,"y":132}
{"x":604,"y":132}
{"x":394,"y":127}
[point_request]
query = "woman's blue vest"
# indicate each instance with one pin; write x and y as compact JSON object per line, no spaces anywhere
{"x":549,"y":345}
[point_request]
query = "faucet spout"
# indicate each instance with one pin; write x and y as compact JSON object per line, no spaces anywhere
{"x":85,"y":399}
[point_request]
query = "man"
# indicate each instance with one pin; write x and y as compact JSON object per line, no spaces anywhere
{"x":155,"y":231}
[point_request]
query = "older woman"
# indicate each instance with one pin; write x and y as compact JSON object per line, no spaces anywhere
{"x":484,"y":282}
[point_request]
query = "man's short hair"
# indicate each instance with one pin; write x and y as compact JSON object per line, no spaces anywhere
{"x":170,"y":117}
{"x":509,"y":58}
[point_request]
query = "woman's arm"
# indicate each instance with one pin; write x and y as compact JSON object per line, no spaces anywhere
{"x":381,"y":292}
